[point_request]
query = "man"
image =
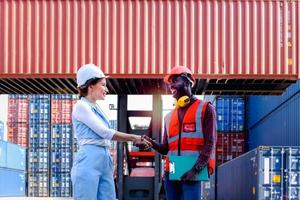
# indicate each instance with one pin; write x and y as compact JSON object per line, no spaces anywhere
{"x":190,"y":129}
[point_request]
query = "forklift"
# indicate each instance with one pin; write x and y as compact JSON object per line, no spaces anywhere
{"x":139,"y":171}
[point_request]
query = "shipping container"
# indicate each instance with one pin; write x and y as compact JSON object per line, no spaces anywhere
{"x":1,"y":130}
{"x":16,"y":157}
{"x":61,"y":136}
{"x":39,"y":135}
{"x":61,"y":108}
{"x":230,"y":114}
{"x":60,"y":185}
{"x":3,"y":153}
{"x":17,"y":125}
{"x":264,"y":173}
{"x":229,"y":146}
{"x":39,"y":109}
{"x":18,"y":133}
{"x":61,"y":160}
{"x":38,"y":160}
{"x":38,"y":184}
{"x":208,"y":188}
{"x":12,"y":156}
{"x":279,"y":125}
{"x":261,"y":106}
{"x":18,"y":106}
{"x":12,"y":182}
{"x":147,"y":38}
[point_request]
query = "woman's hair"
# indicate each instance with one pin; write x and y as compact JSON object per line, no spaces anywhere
{"x":83,"y":90}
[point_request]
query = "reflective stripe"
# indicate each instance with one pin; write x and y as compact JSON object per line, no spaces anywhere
{"x":199,"y":119}
{"x":185,"y":135}
{"x":167,"y":121}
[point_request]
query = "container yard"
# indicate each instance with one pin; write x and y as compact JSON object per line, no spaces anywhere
{"x":241,"y":56}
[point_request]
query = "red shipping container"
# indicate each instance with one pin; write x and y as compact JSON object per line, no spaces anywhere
{"x":240,"y":39}
{"x":18,"y":133}
{"x":18,"y":110}
{"x":229,"y":146}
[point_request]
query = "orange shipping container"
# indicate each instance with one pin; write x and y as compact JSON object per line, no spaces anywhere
{"x":143,"y":39}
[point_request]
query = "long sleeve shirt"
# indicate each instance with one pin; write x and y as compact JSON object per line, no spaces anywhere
{"x":209,"y":133}
{"x":91,"y":124}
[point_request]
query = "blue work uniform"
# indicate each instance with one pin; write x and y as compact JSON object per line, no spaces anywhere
{"x":92,"y":171}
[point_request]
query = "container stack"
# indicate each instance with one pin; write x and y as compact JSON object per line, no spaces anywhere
{"x":39,"y":141}
{"x":61,"y":145}
{"x":264,"y":173}
{"x":230,"y":125}
{"x":18,"y":119}
{"x":12,"y":170}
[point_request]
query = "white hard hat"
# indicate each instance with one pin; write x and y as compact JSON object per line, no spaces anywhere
{"x":87,"y":72}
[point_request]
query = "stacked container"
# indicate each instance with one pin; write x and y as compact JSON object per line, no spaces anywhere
{"x":12,"y":170}
{"x":61,"y":145}
{"x":18,"y":119}
{"x":230,"y":114}
{"x":39,"y":141}
{"x":230,"y":125}
{"x":263,"y":173}
{"x":229,"y":146}
{"x":274,"y":120}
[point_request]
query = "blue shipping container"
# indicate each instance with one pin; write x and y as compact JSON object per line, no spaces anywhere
{"x":61,"y":160}
{"x":208,"y":188}
{"x":38,"y":160}
{"x":39,"y":109}
{"x":223,"y":114}
{"x":38,"y":184}
{"x":261,"y":106}
{"x":60,"y":185}
{"x":280,"y":127}
{"x":12,"y":182}
{"x":230,"y":114}
{"x":3,"y":153}
{"x":61,"y":136}
{"x":16,"y":157}
{"x":1,"y":130}
{"x":263,"y":173}
{"x":39,"y":135}
{"x":12,"y":156}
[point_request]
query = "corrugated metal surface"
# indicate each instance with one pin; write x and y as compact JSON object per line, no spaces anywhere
{"x":270,"y":173}
{"x":260,"y":106}
{"x":277,"y":126}
{"x":12,"y":182}
{"x":146,"y":38}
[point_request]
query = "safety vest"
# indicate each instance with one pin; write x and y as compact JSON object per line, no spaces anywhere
{"x":186,"y":137}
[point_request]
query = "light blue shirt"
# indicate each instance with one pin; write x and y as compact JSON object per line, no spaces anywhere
{"x":91,"y":124}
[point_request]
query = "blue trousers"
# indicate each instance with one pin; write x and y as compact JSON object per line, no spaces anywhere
{"x":179,"y":190}
{"x":92,"y":174}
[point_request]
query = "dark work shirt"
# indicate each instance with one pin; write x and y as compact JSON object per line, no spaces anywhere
{"x":209,"y":133}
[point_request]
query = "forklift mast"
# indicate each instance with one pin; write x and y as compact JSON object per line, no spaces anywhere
{"x":139,"y":171}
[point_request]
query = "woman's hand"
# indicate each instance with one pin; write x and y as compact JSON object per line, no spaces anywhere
{"x":142,"y":142}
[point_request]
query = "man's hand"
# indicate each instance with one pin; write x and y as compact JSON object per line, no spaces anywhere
{"x":189,"y":175}
{"x":143,"y":143}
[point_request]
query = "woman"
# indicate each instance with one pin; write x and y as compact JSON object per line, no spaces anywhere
{"x":92,"y":172}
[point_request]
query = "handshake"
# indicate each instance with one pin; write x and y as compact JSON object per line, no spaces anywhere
{"x":144,"y":142}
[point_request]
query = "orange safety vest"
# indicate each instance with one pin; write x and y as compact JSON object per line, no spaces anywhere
{"x":189,"y":132}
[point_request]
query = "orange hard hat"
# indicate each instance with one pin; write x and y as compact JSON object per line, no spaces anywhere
{"x":178,"y":70}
